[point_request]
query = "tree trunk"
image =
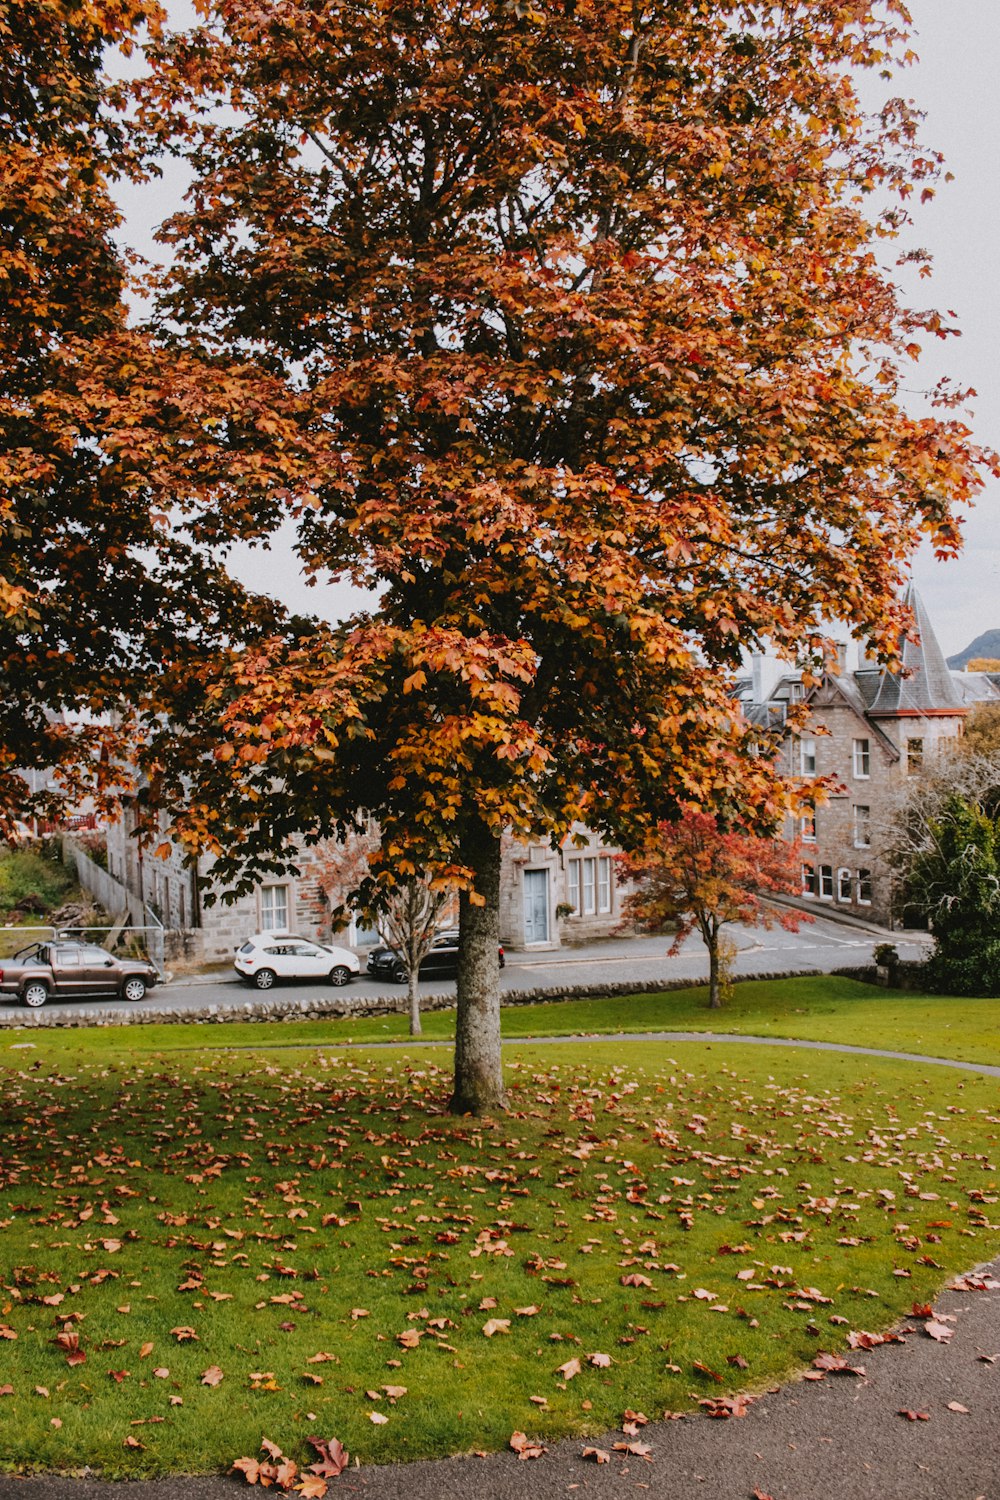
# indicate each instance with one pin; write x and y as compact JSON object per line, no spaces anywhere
{"x":415,"y":1027}
{"x":478,"y":1071}
{"x":714,"y":992}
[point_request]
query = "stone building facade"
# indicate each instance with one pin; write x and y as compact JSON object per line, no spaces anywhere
{"x":868,"y":729}
{"x":548,"y":897}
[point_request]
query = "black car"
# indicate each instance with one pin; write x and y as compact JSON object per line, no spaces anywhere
{"x":440,"y":962}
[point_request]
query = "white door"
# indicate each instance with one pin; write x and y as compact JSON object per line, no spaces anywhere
{"x":536,"y":906}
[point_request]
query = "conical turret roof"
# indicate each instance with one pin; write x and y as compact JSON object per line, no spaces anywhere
{"x":925,"y":683}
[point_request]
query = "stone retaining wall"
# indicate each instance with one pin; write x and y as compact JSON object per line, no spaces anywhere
{"x":316,"y":1008}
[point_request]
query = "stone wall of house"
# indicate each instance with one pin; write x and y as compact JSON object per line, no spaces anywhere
{"x":848,"y":872}
{"x":537,"y":880}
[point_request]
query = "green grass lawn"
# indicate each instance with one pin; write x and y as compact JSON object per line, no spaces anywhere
{"x":823,"y":1007}
{"x":311,"y":1224}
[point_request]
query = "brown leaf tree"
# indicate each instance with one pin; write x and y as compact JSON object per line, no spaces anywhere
{"x":563,"y":328}
{"x":694,"y":875}
{"x":96,"y":588}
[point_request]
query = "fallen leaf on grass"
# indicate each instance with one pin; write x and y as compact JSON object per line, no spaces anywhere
{"x":525,"y":1447}
{"x":496,"y":1325}
{"x":527,"y":1312}
{"x":212,"y":1376}
{"x":599,"y":1361}
{"x":55,"y":1422}
{"x":569,"y":1369}
{"x":6,"y":1390}
{"x":378,"y":1418}
{"x":634,"y":1279}
{"x":132,"y":1442}
{"x":333,"y":1457}
{"x":182,"y":1335}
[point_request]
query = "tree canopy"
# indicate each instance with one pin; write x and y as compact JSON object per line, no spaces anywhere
{"x":95,"y":590}
{"x":569,"y":329}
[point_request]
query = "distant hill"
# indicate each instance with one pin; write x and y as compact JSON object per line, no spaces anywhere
{"x":987,"y":644}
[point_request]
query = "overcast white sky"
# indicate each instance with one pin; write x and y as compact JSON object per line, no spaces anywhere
{"x":957,"y":83}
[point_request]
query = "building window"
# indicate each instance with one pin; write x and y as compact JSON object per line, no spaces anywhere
{"x":862,"y":826}
{"x":845,"y":883}
{"x":808,"y":880}
{"x":589,"y":871}
{"x":604,"y":884}
{"x":914,"y":755}
{"x":865,"y":887}
{"x":274,"y":908}
{"x":826,"y":882}
{"x":573,"y":885}
{"x":795,"y":692}
{"x":807,"y":757}
{"x":862,"y":759}
{"x":807,"y":826}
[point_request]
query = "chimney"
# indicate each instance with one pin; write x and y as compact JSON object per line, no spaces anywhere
{"x":757,"y":670}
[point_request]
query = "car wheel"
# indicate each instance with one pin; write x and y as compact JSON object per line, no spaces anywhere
{"x":264,"y":979}
{"x":399,"y":974}
{"x":340,"y":975}
{"x":134,"y":989}
{"x":35,"y":994}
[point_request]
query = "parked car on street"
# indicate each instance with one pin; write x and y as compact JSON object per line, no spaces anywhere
{"x":269,"y":956}
{"x":65,"y":969}
{"x":440,"y":962}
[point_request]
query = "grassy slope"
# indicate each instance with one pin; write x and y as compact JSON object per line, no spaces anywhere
{"x":147,"y":1192}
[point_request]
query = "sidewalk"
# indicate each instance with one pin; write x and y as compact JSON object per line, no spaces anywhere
{"x":840,"y":1438}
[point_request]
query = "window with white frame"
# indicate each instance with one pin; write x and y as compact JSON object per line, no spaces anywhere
{"x":573,"y":885}
{"x":807,"y":757}
{"x":862,"y":759}
{"x":865,"y":887}
{"x":845,"y":885}
{"x":826,"y":882}
{"x":808,"y":880}
{"x":862,"y":826}
{"x":604,"y":884}
{"x":588,"y":886}
{"x":807,"y":825}
{"x":274,"y":908}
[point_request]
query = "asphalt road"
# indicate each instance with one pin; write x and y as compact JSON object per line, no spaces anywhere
{"x":842,"y":1438}
{"x":822,"y":945}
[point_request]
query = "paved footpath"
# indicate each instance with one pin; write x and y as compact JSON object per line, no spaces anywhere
{"x":842,"y":1438}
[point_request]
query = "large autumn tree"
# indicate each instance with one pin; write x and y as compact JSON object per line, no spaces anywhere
{"x":583,"y":352}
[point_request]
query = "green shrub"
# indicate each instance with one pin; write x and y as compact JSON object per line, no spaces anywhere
{"x":26,"y":876}
{"x":974,"y":970}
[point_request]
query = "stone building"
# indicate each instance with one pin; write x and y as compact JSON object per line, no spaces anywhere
{"x":868,"y":728}
{"x":548,"y":897}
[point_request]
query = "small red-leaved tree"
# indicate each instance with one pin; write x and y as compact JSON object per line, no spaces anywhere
{"x":701,"y":876}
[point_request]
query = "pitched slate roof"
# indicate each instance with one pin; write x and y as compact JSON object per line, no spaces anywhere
{"x":925,"y":684}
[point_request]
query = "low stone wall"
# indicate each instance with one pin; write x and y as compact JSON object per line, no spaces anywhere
{"x":256,"y":1007}
{"x":908,"y":974}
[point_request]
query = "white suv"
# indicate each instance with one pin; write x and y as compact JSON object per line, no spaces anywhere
{"x":270,"y":956}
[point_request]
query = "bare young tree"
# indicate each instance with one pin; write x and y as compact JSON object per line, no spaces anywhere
{"x":407,"y":911}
